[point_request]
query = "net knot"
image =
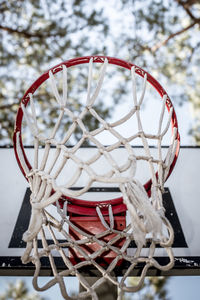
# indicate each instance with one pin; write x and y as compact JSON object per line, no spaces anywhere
{"x":137,"y":107}
{"x":106,"y":125}
{"x":123,"y":141}
{"x":141,"y":133}
{"x":150,"y":159}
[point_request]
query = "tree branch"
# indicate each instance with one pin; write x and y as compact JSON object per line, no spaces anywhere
{"x":186,"y":6}
{"x":26,"y":33}
{"x":171,"y":36}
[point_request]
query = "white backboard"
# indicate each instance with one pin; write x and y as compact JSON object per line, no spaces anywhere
{"x":181,"y":200}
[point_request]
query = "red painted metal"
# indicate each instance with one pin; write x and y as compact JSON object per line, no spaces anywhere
{"x":94,"y":226}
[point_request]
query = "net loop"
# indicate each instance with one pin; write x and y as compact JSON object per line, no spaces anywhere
{"x":111,"y":218}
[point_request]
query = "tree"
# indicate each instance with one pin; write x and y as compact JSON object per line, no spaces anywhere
{"x":35,"y":35}
{"x":160,"y":36}
{"x":19,"y":291}
{"x":155,"y":288}
{"x":165,"y":42}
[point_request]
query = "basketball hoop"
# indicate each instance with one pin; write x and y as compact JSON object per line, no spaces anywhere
{"x":104,"y":245}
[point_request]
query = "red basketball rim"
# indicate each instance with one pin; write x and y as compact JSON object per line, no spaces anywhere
{"x":79,"y":206}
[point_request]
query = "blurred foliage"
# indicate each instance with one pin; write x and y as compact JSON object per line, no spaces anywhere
{"x":35,"y":35}
{"x":161,"y":36}
{"x":19,"y":291}
{"x":167,"y":42}
{"x":155,"y":288}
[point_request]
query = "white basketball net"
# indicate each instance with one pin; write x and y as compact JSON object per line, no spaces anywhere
{"x":148,"y":221}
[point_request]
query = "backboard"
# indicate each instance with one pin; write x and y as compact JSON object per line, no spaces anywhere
{"x":180,"y":200}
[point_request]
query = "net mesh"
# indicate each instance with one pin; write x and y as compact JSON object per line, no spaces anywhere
{"x":148,"y":226}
